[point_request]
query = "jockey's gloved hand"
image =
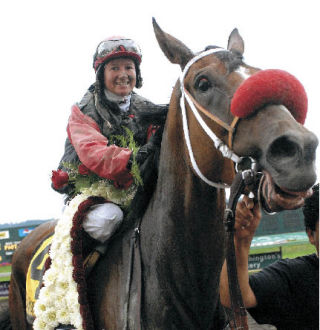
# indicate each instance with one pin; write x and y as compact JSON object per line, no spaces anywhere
{"x":143,"y":154}
{"x":147,"y":149}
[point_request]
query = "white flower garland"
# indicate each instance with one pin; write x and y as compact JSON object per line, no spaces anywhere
{"x":58,"y":298}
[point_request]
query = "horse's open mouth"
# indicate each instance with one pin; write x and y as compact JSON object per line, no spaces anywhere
{"x":275,"y":198}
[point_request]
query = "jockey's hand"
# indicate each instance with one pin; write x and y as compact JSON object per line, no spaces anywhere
{"x":142,"y":154}
{"x":248,"y":216}
{"x":147,"y":149}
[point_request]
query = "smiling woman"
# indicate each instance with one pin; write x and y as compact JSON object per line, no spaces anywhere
{"x":108,"y":109}
{"x":120,"y":76}
{"x":106,"y":143}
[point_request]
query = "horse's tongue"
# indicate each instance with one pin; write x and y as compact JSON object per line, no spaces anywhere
{"x":278,"y":199}
{"x":302,"y":194}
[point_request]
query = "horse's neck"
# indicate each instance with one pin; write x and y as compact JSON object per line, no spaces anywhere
{"x":189,"y":202}
{"x":184,"y":218}
{"x":182,"y":243}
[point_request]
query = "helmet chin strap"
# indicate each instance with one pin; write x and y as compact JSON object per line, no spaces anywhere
{"x":218,"y":143}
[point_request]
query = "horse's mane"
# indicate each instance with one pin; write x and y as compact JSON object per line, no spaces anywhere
{"x":149,"y":169}
{"x":156,"y":115}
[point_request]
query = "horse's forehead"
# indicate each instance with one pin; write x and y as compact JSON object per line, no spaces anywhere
{"x":233,"y":70}
{"x":241,"y":73}
{"x":208,"y":63}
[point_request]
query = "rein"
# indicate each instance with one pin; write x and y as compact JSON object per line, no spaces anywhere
{"x":243,"y":179}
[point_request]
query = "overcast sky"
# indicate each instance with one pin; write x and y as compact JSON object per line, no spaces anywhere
{"x":46,"y":66}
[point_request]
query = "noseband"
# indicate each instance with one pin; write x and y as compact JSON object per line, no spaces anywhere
{"x":194,"y":105}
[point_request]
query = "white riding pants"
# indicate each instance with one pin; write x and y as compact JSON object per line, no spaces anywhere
{"x":102,"y":221}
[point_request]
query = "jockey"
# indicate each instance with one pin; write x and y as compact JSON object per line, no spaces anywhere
{"x":113,"y":106}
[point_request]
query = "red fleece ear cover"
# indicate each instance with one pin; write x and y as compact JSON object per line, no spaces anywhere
{"x":270,"y":87}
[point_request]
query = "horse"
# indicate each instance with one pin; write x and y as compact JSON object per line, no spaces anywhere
{"x":169,"y":277}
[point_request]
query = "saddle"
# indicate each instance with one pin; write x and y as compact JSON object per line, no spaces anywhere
{"x":43,"y":272}
{"x":36,"y":270}
{"x":41,"y":262}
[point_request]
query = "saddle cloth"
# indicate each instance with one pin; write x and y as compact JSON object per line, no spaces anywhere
{"x":35,"y":274}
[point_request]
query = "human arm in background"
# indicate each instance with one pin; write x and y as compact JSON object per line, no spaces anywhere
{"x":248,"y":216}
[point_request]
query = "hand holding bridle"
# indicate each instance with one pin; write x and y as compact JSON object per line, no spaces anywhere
{"x":247,"y":219}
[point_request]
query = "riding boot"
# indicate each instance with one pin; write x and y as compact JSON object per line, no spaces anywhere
{"x":88,"y":244}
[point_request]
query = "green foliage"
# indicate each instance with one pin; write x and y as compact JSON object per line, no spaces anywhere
{"x":83,"y":181}
{"x":78,"y":180}
{"x":127,"y":141}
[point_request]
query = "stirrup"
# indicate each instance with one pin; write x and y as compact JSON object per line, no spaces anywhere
{"x":93,"y":258}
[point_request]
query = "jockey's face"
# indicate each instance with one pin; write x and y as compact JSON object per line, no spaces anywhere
{"x":120,"y":76}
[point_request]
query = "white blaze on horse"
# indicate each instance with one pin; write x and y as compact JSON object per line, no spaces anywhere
{"x":166,"y":276}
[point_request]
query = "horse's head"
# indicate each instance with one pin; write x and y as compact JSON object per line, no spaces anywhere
{"x":271,"y":131}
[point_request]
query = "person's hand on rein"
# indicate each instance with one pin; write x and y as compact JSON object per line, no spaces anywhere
{"x":248,"y":217}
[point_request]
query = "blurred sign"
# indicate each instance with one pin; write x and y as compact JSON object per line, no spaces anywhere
{"x":258,"y":261}
{"x":4,"y":289}
{"x":11,"y":236}
{"x":266,"y":241}
{"x":4,"y":234}
{"x":25,"y":231}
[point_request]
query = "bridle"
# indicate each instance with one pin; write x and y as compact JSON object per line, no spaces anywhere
{"x":225,"y":149}
{"x":195,"y":107}
{"x":241,"y":181}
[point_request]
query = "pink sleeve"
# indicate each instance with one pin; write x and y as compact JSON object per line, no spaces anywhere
{"x":108,"y":162}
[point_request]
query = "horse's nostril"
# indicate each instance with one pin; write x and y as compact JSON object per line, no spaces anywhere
{"x":282,"y":148}
{"x":310,"y":148}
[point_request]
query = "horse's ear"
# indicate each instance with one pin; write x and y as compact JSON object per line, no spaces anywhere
{"x":235,"y":42}
{"x":174,"y":49}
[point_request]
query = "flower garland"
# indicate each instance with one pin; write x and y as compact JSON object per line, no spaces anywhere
{"x":78,"y":178}
{"x":58,"y":298}
{"x":84,"y":181}
{"x":62,"y":299}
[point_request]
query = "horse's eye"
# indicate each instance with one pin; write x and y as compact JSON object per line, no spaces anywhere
{"x":203,"y":84}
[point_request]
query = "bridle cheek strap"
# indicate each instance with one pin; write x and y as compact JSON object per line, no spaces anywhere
{"x":230,"y":128}
{"x":211,"y":116}
{"x":218,"y":143}
{"x":233,"y":125}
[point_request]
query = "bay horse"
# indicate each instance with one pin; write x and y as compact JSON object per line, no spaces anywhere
{"x":169,"y":278}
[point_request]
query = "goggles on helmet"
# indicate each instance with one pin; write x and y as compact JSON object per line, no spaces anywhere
{"x":116,"y":47}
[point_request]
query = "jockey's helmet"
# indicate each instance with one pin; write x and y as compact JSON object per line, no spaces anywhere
{"x":115,"y":47}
